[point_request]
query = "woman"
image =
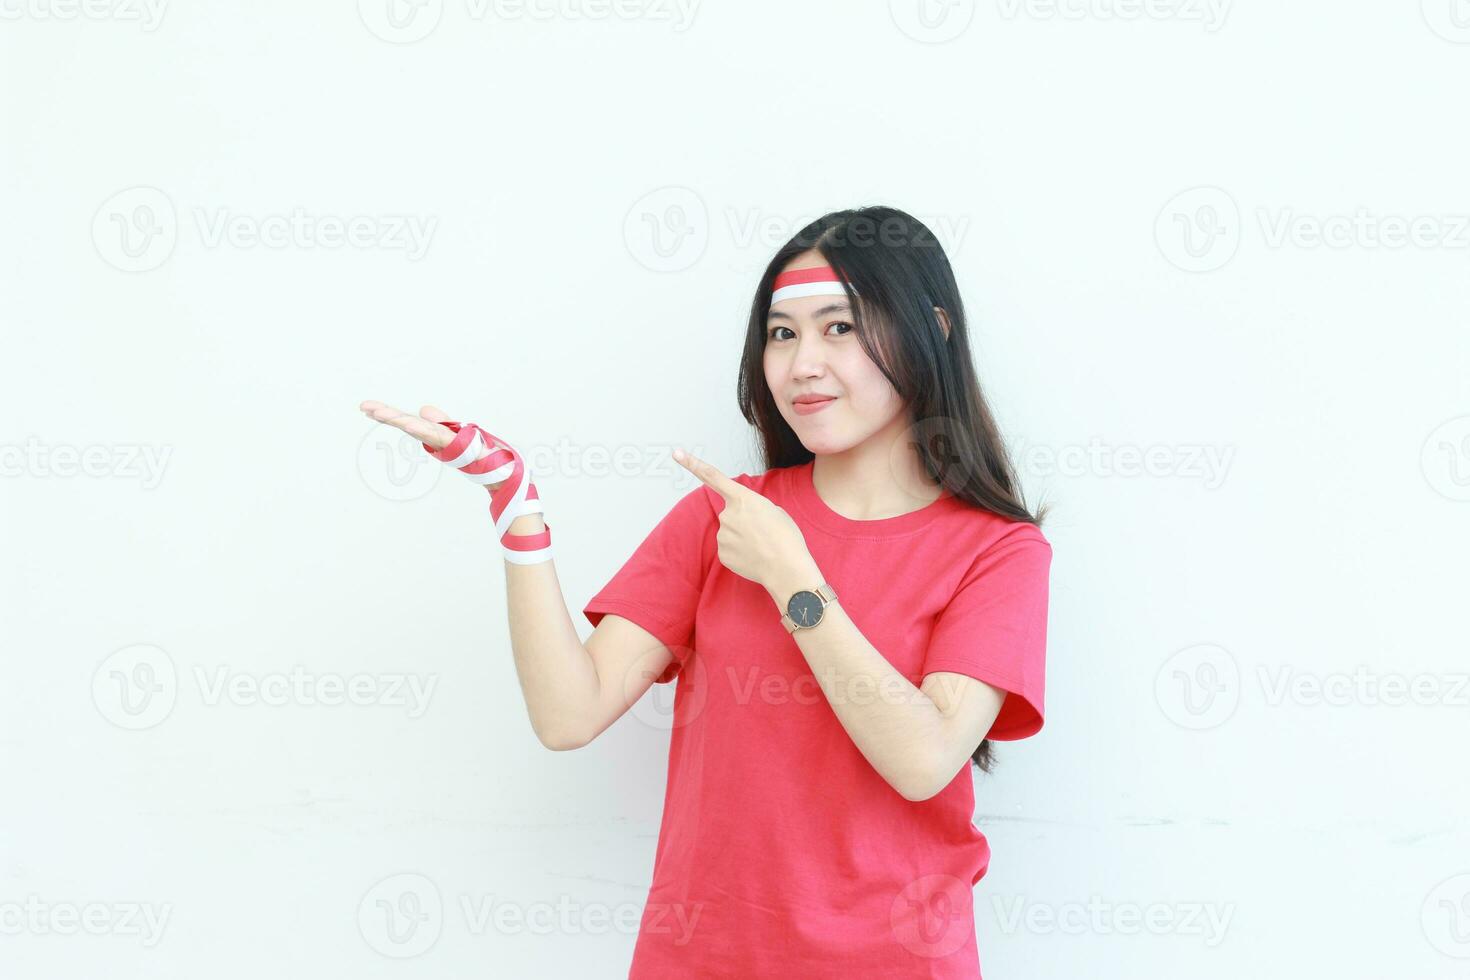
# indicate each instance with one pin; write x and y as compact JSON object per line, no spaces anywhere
{"x":851,"y":627}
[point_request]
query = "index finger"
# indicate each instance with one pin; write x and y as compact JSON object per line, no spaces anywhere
{"x":431,"y":434}
{"x":711,"y":475}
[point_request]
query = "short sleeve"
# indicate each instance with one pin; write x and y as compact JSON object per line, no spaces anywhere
{"x":659,"y":586}
{"x":994,"y":629}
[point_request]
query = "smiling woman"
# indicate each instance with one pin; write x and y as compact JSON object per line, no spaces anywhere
{"x":849,"y":629}
{"x":884,"y":558}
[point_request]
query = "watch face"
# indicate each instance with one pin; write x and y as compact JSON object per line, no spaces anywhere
{"x":805,"y":609}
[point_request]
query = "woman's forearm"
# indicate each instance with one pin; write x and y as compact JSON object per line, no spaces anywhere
{"x":557,"y":676}
{"x":893,"y":724}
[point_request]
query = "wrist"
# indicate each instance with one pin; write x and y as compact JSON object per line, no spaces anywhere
{"x":791,"y":578}
{"x":527,"y":524}
{"x":515,"y":504}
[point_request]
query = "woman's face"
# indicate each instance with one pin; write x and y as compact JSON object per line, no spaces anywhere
{"x":812,"y":349}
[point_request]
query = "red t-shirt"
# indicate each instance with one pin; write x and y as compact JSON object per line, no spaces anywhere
{"x":782,"y":851}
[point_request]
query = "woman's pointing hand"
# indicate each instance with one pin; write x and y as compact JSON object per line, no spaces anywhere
{"x":758,"y":540}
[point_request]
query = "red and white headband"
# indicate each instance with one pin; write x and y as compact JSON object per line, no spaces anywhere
{"x":819,"y":281}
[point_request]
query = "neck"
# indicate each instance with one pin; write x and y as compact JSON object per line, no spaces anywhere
{"x":880,"y":477}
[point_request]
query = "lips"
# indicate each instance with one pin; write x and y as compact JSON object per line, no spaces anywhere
{"x":807,"y":404}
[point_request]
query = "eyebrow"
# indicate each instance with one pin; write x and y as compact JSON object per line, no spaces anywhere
{"x":815,"y":315}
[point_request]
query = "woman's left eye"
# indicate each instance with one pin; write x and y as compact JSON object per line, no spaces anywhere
{"x":774,"y":332}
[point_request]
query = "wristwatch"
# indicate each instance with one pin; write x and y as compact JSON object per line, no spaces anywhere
{"x":804,"y":609}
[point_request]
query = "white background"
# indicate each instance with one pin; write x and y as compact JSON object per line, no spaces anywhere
{"x":1128,"y":195}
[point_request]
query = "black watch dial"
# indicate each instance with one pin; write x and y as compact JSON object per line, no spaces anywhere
{"x":805,"y":609}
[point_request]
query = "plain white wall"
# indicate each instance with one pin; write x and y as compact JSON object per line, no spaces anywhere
{"x":1214,"y":257}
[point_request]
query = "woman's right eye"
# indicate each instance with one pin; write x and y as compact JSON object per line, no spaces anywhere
{"x":771,"y":334}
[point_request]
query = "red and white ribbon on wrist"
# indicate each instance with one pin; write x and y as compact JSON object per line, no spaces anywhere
{"x":485,"y":459}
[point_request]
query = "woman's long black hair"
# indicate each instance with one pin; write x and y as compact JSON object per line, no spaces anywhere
{"x":895,"y":264}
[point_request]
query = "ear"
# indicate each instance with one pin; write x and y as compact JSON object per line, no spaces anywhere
{"x":943,"y":321}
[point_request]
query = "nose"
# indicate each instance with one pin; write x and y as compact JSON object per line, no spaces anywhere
{"x":810,"y":359}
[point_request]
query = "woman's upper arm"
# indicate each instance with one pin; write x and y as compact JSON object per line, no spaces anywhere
{"x":628,"y":658}
{"x":969,"y":707}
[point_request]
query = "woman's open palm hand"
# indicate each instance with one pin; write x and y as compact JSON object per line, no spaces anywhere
{"x":425,"y":426}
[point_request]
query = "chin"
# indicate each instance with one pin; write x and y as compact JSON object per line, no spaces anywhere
{"x":827,"y":444}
